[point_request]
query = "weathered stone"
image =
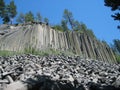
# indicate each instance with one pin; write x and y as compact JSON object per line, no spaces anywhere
{"x":42,"y":37}
{"x":117,"y":82}
{"x":60,"y":72}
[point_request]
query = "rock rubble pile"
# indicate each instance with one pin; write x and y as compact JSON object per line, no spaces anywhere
{"x":60,"y":72}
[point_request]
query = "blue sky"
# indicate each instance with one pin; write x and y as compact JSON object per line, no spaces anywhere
{"x":91,"y":12}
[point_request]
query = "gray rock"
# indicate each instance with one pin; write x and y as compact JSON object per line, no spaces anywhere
{"x":117,"y":82}
{"x":60,"y":72}
{"x":42,"y":37}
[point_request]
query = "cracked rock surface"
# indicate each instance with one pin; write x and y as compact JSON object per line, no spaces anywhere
{"x":41,"y":37}
{"x":60,"y":72}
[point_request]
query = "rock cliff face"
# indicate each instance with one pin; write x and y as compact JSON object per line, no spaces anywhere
{"x":41,"y":37}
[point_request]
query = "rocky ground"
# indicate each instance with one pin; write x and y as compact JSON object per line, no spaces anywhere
{"x":59,"y":72}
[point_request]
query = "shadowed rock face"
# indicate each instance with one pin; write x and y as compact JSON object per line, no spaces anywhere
{"x":42,"y":37}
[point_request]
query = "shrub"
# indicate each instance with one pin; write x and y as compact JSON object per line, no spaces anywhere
{"x":118,"y":58}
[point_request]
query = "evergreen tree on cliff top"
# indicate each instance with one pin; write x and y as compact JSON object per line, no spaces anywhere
{"x":38,"y":17}
{"x":46,"y":20}
{"x":21,"y":18}
{"x":68,"y":17}
{"x":64,"y":25}
{"x":29,"y":17}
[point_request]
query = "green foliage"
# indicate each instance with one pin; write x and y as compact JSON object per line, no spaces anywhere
{"x":12,"y":10}
{"x":117,"y":45}
{"x":91,"y":33}
{"x":33,"y":51}
{"x":69,"y":21}
{"x":77,"y":26}
{"x":6,"y":15}
{"x":83,"y":27}
{"x":30,"y":50}
{"x":21,"y":18}
{"x":6,"y":19}
{"x":2,"y":6}
{"x":7,"y":53}
{"x":29,"y":17}
{"x":116,"y":48}
{"x":46,"y":52}
{"x":117,"y":57}
{"x":58,"y":27}
{"x":104,"y":42}
{"x":115,"y":6}
{"x":38,"y":17}
{"x":68,"y":17}
{"x":9,"y":12}
{"x":24,"y":18}
{"x":46,"y":20}
{"x":64,"y":25}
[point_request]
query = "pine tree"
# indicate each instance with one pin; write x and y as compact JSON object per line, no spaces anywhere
{"x":39,"y":17}
{"x":29,"y":17}
{"x":6,"y":15}
{"x":77,"y":26}
{"x":7,"y":12}
{"x":46,"y":20}
{"x":12,"y":10}
{"x":2,"y":6}
{"x":117,"y":45}
{"x":21,"y":18}
{"x":68,"y":17}
{"x":64,"y":25}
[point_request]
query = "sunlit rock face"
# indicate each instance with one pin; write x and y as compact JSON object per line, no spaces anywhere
{"x":41,"y":36}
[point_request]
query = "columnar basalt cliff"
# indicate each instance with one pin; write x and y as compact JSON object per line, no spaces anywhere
{"x":41,"y":37}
